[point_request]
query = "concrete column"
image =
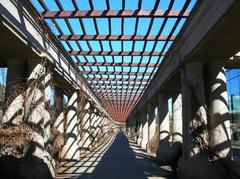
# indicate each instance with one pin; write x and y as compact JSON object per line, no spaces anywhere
{"x":151,"y":127}
{"x":164,"y":154}
{"x":37,"y":115}
{"x":194,"y":109}
{"x":195,"y":124}
{"x":36,"y":105}
{"x":94,"y":123}
{"x":177,"y":119}
{"x":177,"y":127}
{"x":151,"y":121}
{"x":219,"y":115}
{"x":132,"y":128}
{"x":85,"y":142}
{"x":59,"y":113}
{"x":140,"y":129}
{"x":97,"y":128}
{"x":127,"y":127}
{"x":13,"y":102}
{"x":144,"y":120}
{"x":128,"y":131}
{"x":168,"y":152}
{"x":70,"y":150}
{"x":163,"y":118}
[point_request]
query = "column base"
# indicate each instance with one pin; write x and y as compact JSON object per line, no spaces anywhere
{"x":144,"y":145}
{"x":139,"y":140}
{"x":70,"y":151}
{"x":169,"y":155}
{"x":188,"y":169}
{"x":28,"y":167}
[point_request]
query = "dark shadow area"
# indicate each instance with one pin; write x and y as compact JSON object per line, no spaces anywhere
{"x":28,"y":167}
{"x":121,"y":162}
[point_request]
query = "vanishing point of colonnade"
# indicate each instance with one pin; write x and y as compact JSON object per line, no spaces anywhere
{"x":51,"y":114}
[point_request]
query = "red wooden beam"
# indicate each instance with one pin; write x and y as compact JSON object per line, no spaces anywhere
{"x":117,"y":37}
{"x":111,"y":87}
{"x":114,"y":13}
{"x":111,"y":53}
{"x":117,"y":64}
{"x":118,"y":94}
{"x":115,"y":73}
{"x":117,"y":79}
{"x":117,"y":84}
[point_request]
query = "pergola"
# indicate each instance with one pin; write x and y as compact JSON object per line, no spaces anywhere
{"x":117,"y":44}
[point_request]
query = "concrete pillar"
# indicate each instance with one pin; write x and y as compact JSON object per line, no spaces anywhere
{"x":37,"y":115}
{"x":128,"y":128}
{"x":140,"y":129}
{"x":196,"y":151}
{"x":176,"y":128}
{"x":151,"y":121}
{"x":177,"y":119}
{"x":132,"y":128}
{"x":70,"y":150}
{"x":164,"y":155}
{"x":194,"y":109}
{"x":168,"y":152}
{"x":85,"y":142}
{"x":151,"y":127}
{"x":144,"y":120}
{"x":219,"y":115}
{"x":94,"y":130}
{"x":59,"y":113}
{"x":13,"y":102}
{"x":163,"y":117}
{"x":97,"y":127}
{"x":36,"y":105}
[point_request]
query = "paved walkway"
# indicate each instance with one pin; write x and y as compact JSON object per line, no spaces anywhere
{"x":119,"y":159}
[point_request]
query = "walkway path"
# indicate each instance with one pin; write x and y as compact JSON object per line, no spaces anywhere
{"x":119,"y":159}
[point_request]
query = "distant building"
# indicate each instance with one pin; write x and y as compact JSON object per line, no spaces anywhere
{"x":233,"y":89}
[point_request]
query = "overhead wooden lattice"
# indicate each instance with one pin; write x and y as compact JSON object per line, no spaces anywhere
{"x":117,"y":44}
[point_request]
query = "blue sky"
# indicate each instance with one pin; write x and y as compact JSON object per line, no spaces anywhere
{"x":3,"y":76}
{"x":118,"y":26}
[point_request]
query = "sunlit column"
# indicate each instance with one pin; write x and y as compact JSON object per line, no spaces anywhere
{"x":163,"y":117}
{"x":140,"y":129}
{"x":219,"y":113}
{"x":151,"y":125}
{"x":94,"y":127}
{"x":177,"y":118}
{"x":133,"y":128}
{"x":36,"y":105}
{"x":177,"y":126}
{"x":85,"y":141}
{"x":59,"y":107}
{"x":163,"y":150}
{"x":70,"y":150}
{"x":144,"y":120}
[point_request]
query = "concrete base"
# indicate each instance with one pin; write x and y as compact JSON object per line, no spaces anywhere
{"x":139,"y":141}
{"x":168,"y":155}
{"x":24,"y":168}
{"x":144,"y":144}
{"x":148,"y":149}
{"x":70,"y":150}
{"x":201,"y":169}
